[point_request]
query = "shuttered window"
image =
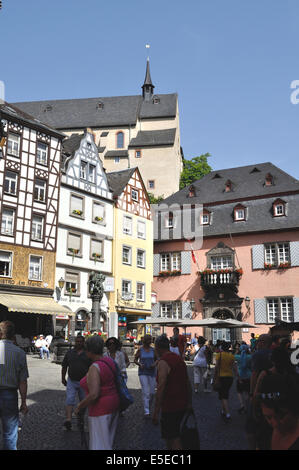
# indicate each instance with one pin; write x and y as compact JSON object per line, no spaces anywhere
{"x":74,"y":243}
{"x":76,"y":205}
{"x":98,"y":212}
{"x":96,"y":248}
{"x":72,"y":283}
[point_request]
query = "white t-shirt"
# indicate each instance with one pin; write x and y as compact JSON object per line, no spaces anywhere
{"x":200,"y":358}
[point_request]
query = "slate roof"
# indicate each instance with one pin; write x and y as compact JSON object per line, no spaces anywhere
{"x":247,"y":182}
{"x":113,"y":111}
{"x":11,"y":111}
{"x":153,"y":138}
{"x":72,"y":144}
{"x":117,"y":153}
{"x":118,"y":180}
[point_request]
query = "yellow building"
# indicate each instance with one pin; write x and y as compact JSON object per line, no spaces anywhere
{"x":132,"y":253}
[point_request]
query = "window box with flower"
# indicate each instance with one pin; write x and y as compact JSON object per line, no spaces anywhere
{"x":96,"y":256}
{"x":269,"y":266}
{"x":78,"y":212}
{"x":99,"y":219}
{"x":285,"y":265}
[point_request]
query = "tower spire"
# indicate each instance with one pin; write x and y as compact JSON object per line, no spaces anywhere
{"x":147,"y":87}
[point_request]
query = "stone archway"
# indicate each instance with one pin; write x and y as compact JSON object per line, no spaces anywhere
{"x":223,"y":314}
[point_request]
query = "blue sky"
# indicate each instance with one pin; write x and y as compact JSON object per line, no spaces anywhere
{"x":231,"y":62}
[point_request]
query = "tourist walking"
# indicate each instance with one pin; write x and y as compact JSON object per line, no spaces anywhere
{"x":146,"y":358}
{"x":243,"y":360}
{"x":13,"y":378}
{"x":75,"y":364}
{"x":181,"y":340}
{"x":101,"y":398}
{"x":114,"y":351}
{"x":225,"y":369}
{"x":174,"y":393}
{"x":200,"y":364}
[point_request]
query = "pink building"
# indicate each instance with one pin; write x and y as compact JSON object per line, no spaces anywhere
{"x":248,"y":265}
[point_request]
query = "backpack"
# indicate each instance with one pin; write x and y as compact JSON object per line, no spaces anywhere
{"x":125,"y":398}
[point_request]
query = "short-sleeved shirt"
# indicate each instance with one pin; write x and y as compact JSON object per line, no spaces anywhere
{"x":226,"y":364}
{"x":77,"y":364}
{"x":13,"y":365}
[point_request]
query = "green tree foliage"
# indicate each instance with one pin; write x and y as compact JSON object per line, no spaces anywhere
{"x":155,"y":200}
{"x":194,"y":169}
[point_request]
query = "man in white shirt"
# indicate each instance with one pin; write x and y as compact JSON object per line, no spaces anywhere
{"x":43,"y":346}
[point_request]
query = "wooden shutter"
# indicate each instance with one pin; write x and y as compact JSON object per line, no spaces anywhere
{"x":260,"y":311}
{"x":156,"y":310}
{"x":296,"y":309}
{"x":156,"y":264}
{"x":258,"y":257}
{"x":294,"y":250}
{"x":186,"y":310}
{"x":186,"y":262}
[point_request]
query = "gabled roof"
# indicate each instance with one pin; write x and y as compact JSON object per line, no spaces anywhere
{"x":118,"y":180}
{"x":72,"y":144}
{"x":246,"y":183}
{"x":112,"y":111}
{"x":10,"y":111}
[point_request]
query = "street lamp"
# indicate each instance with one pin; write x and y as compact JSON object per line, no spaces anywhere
{"x":247,"y":305}
{"x":192,"y":304}
{"x":61,"y":283}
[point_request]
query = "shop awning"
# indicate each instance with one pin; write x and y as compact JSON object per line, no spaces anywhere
{"x":33,"y":304}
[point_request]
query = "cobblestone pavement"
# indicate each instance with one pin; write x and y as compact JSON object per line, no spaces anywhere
{"x":43,"y":426}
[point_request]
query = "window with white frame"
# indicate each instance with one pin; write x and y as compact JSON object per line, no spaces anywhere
{"x":42,"y":153}
{"x":37,"y":228}
{"x":127,"y":225}
{"x":205,"y":219}
{"x":171,"y":310}
{"x":135,"y":195}
{"x":10,"y":182}
{"x":7,"y":222}
{"x":72,"y":283}
{"x":141,"y":229}
{"x":98,"y":212}
{"x":240,"y":213}
{"x":40,"y":190}
{"x":13,"y":144}
{"x":126,"y":290}
{"x":5,"y":263}
{"x":35,"y":268}
{"x":96,"y":249}
{"x":140,"y":292}
{"x":221,"y":262}
{"x":277,"y":253}
{"x":83,"y":170}
{"x":127,"y":255}
{"x":91,"y":173}
{"x":76,"y":205}
{"x":279,"y":209}
{"x":281,"y":308}
{"x":170,"y":261}
{"x":140,"y":258}
{"x":74,"y":244}
{"x":169,"y":220}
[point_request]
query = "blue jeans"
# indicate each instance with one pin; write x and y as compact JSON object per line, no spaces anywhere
{"x":9,"y":415}
{"x":43,"y":350}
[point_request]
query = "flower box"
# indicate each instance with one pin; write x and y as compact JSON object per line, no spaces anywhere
{"x":268,"y":266}
{"x":73,"y":251}
{"x":77,"y":212}
{"x":98,"y":219}
{"x":96,"y":256}
{"x":284,"y":265}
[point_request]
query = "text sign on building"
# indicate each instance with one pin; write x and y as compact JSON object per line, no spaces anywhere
{"x":109,"y":284}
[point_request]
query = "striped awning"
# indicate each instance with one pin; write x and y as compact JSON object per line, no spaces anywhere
{"x":33,"y":304}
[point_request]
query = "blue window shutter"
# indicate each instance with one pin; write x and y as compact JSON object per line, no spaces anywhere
{"x":294,"y":250}
{"x":156,"y":264}
{"x":156,"y":310}
{"x":186,"y":310}
{"x":258,"y":257}
{"x":260,"y":311}
{"x":186,"y":262}
{"x":296,"y":309}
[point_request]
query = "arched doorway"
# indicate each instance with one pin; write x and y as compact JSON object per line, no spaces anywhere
{"x":222,"y":334}
{"x":82,"y":317}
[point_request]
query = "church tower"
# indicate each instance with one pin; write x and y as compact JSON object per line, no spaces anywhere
{"x":147,"y":87}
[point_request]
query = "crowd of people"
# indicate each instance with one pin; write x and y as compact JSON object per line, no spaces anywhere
{"x":266,"y":384}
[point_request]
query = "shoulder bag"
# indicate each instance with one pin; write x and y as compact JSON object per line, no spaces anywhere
{"x":125,"y":398}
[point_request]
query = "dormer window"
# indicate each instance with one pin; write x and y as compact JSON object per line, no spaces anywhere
{"x":100,"y":105}
{"x":191,"y":191}
{"x":205,"y":218}
{"x":279,"y":208}
{"x":239,"y":213}
{"x":228,"y":186}
{"x":169,"y":220}
{"x":269,"y":180}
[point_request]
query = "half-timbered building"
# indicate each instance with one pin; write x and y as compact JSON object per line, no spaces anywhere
{"x":132,"y":251}
{"x":29,"y":185}
{"x":85,"y":231}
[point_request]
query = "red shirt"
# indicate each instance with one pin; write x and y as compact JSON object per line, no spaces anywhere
{"x":175,"y":397}
{"x":181,"y":344}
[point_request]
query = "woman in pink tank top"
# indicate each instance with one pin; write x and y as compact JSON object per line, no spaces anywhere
{"x":101,"y":398}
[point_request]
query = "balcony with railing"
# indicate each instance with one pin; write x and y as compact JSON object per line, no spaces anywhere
{"x":220,"y":278}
